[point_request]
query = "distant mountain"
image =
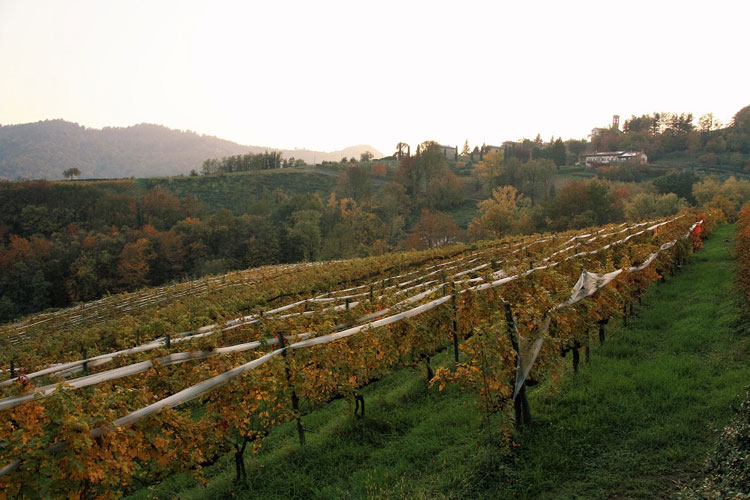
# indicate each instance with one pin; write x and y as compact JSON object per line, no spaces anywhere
{"x":43,"y":150}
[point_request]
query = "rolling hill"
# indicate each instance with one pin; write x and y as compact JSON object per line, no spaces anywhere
{"x":43,"y":150}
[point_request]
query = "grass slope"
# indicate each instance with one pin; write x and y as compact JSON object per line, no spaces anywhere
{"x":643,"y":414}
{"x":632,"y":423}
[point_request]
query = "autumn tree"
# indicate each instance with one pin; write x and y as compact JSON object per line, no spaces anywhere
{"x":499,"y":213}
{"x":490,"y":170}
{"x":379,"y":170}
{"x":434,"y":230}
{"x":133,"y":265}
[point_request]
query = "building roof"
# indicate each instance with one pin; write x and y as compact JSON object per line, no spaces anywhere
{"x":607,"y":153}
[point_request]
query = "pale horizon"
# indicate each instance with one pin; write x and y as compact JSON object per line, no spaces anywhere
{"x":331,"y":75}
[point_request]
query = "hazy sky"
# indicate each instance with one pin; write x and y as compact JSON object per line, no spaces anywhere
{"x":325,"y":75}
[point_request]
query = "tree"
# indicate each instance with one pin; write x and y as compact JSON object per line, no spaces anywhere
{"x":379,"y":170}
{"x":306,"y":230}
{"x":498,"y":213}
{"x":71,"y":172}
{"x":489,"y":170}
{"x":417,"y":172}
{"x":706,"y":122}
{"x":741,"y":120}
{"x":445,"y":191}
{"x":366,"y":156}
{"x":558,"y":153}
{"x":576,"y":148}
{"x":680,"y":183}
{"x":133,"y":267}
{"x":434,"y":230}
{"x":402,"y":149}
{"x":354,"y":183}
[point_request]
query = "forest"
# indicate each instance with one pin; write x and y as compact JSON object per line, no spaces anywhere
{"x":68,"y":242}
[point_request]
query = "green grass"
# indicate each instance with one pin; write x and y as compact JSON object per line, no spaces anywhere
{"x":572,"y":172}
{"x":465,"y":213}
{"x":636,"y":422}
{"x":642,"y":416}
{"x":240,"y":191}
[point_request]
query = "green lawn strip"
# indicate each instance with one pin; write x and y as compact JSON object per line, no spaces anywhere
{"x":636,"y":420}
{"x":641,"y":417}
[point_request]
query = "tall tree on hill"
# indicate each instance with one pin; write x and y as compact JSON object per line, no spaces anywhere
{"x":402,"y":149}
{"x":558,"y":153}
{"x":71,"y":172}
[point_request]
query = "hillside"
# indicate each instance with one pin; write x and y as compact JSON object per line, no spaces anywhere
{"x":43,"y":150}
{"x":202,"y":352}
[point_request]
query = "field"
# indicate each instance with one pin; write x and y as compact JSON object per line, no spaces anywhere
{"x":507,"y":305}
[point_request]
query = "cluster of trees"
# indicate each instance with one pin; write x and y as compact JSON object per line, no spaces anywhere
{"x":663,"y":134}
{"x":248,"y":162}
{"x":67,"y":242}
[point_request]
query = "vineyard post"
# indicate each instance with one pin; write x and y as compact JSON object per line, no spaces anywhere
{"x":12,"y":368}
{"x":137,"y":337}
{"x":587,"y":352}
{"x":602,"y":322}
{"x":167,"y":342}
{"x":576,"y":356}
{"x":347,"y":303}
{"x":295,"y":399}
{"x":521,"y":403}
{"x":371,"y":301}
{"x":455,"y":322}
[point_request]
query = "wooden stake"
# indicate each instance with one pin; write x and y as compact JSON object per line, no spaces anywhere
{"x":521,"y":404}
{"x":295,"y":399}
{"x":455,"y":322}
{"x":587,"y":347}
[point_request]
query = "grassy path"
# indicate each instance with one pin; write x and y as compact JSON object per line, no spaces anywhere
{"x":634,"y":423}
{"x":642,"y":415}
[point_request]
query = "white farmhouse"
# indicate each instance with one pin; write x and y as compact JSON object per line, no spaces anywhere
{"x":612,"y":157}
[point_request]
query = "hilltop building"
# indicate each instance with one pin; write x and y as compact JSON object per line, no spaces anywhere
{"x":597,"y":131}
{"x":613,"y":157}
{"x":450,"y":152}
